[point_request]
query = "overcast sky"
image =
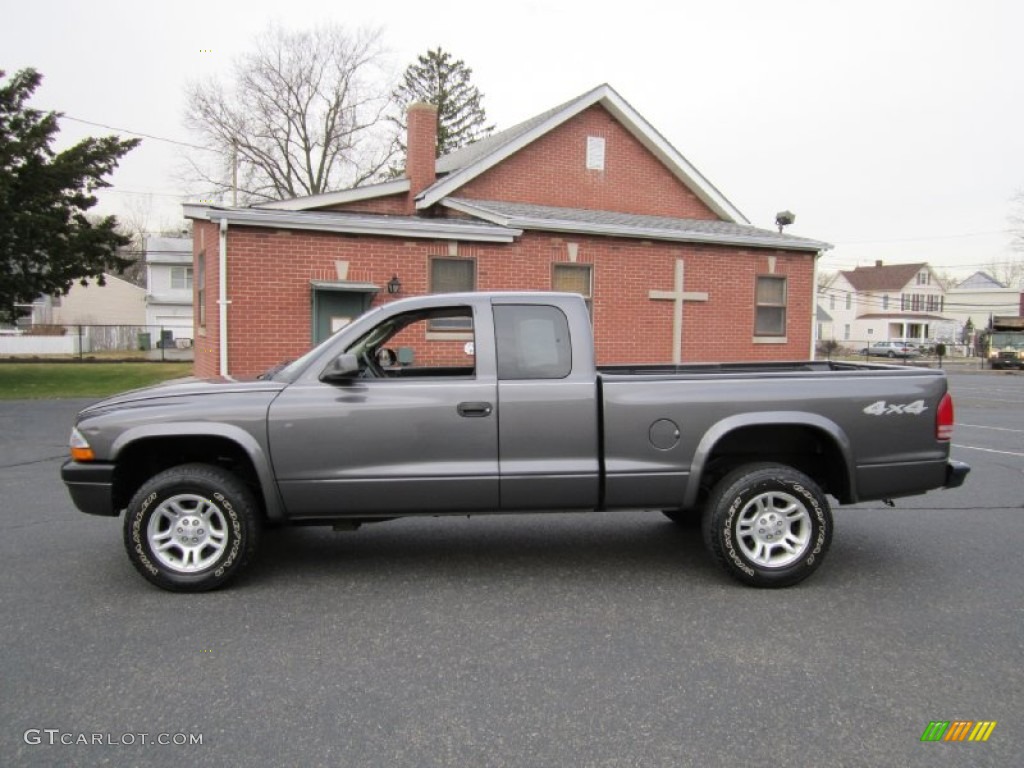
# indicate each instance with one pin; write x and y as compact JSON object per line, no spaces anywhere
{"x":893,"y":129}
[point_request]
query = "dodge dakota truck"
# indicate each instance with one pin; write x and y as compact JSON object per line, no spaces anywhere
{"x":492,"y":402}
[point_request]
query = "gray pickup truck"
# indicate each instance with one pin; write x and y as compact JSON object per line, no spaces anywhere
{"x":492,"y":402}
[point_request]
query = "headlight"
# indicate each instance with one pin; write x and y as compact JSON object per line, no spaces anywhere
{"x":80,"y":448}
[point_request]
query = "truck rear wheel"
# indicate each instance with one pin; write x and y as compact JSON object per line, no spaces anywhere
{"x":768,"y":525}
{"x":191,"y":528}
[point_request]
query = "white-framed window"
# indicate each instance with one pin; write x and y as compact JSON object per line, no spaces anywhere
{"x":452,"y":276}
{"x":770,"y":312}
{"x":849,"y":301}
{"x":181,"y":278}
{"x":574,"y":278}
{"x":595,"y":153}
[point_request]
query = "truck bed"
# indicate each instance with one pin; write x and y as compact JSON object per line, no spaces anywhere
{"x":773,"y":367}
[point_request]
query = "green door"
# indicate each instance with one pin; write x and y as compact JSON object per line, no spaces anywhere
{"x":334,"y":309}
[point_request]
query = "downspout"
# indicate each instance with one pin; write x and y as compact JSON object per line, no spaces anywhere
{"x":222,"y":299}
{"x":814,"y":308}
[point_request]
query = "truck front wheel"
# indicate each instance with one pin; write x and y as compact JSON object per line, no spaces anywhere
{"x":768,"y":525}
{"x":191,"y":528}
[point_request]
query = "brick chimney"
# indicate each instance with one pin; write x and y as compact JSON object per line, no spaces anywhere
{"x":421,"y":146}
{"x":878,"y":262}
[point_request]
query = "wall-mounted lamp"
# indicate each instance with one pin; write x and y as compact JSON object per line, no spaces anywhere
{"x":394,"y":285}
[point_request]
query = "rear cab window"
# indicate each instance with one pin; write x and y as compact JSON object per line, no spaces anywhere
{"x":532,"y":342}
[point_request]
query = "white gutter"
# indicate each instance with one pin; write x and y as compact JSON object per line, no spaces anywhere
{"x":222,"y":299}
{"x":814,"y":308}
{"x":362,"y":224}
{"x":754,"y":240}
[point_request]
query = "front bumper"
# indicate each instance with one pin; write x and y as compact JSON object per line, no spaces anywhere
{"x":956,"y":473}
{"x":91,"y":487}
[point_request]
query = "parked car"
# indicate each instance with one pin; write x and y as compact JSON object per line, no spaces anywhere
{"x":923,"y":346}
{"x":891,"y":349}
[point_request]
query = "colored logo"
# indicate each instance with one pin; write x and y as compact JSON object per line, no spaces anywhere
{"x":958,"y":730}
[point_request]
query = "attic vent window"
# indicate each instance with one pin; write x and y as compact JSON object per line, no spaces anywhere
{"x":595,"y":153}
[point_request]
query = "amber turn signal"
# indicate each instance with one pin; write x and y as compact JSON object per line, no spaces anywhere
{"x":80,"y":448}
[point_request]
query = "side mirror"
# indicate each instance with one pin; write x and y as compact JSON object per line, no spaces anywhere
{"x":342,"y":368}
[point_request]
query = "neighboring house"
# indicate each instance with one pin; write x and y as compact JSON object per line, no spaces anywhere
{"x":118,"y":302}
{"x":169,"y":279}
{"x":981,"y":297}
{"x":887,"y":301}
{"x":823,"y":325}
{"x":587,"y":197}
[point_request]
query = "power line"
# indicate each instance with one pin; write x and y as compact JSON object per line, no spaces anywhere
{"x":845,"y":265}
{"x":111,"y":190}
{"x":139,"y":133}
{"x":929,"y":237}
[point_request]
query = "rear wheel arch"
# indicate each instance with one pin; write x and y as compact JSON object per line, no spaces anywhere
{"x":807,"y":442}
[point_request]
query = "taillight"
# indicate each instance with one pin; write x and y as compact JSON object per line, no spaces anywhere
{"x":944,"y":419}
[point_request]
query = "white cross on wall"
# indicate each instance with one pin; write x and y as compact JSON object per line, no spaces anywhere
{"x":678,"y":295}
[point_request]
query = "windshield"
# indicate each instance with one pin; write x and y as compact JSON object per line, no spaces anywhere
{"x":1008,"y":340}
{"x":288,"y":372}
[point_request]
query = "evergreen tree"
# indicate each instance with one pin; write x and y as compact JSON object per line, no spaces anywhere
{"x":443,"y":81}
{"x":46,"y":240}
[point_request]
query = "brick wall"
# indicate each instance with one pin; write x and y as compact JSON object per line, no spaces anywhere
{"x":396,"y":205}
{"x":269,"y":274}
{"x":206,"y":330}
{"x":552,"y":171}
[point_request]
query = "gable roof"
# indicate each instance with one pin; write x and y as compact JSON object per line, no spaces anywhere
{"x":467,"y":163}
{"x":461,"y":166}
{"x":980,"y":281}
{"x":890,"y":277}
{"x":523,"y":216}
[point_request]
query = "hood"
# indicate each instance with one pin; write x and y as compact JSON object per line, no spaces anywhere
{"x":183,"y":388}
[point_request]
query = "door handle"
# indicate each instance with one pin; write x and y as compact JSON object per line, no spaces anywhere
{"x":474,"y":409}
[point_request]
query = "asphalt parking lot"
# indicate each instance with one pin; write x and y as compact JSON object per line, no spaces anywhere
{"x":561,"y":640}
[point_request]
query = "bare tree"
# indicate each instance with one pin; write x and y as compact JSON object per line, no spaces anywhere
{"x":1017,"y":220}
{"x":825,"y":281}
{"x":1009,"y":272}
{"x":945,"y":278}
{"x":303,"y":115}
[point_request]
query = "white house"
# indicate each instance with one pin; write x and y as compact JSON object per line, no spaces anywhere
{"x":90,"y":318}
{"x":117,"y":302}
{"x":883,"y":302}
{"x":169,"y":278}
{"x":980,"y":297}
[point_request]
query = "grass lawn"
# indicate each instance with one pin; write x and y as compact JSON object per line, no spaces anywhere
{"x":46,"y":380}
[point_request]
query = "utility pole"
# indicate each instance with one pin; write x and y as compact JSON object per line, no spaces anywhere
{"x":234,"y":173}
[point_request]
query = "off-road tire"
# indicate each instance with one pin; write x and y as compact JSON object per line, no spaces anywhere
{"x":768,"y":525}
{"x":192,"y":528}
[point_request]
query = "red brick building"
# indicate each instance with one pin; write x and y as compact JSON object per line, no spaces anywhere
{"x":586,"y":197}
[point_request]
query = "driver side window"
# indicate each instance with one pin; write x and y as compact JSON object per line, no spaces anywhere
{"x":407,"y":346}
